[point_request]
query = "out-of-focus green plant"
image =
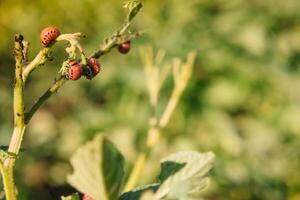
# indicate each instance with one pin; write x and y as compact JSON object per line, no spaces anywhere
{"x":246,"y":79}
{"x":155,"y":77}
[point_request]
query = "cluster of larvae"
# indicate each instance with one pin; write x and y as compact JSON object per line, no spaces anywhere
{"x":75,"y":69}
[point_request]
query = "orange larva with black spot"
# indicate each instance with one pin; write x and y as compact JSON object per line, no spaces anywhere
{"x":94,"y":65}
{"x":48,"y":35}
{"x":75,"y":70}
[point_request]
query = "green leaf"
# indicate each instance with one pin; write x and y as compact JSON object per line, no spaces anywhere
{"x":74,"y":196}
{"x":98,"y":169}
{"x":189,"y":180}
{"x":168,"y":169}
{"x":137,"y":193}
{"x":134,"y":7}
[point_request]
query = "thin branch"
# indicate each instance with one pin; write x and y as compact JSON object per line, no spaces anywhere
{"x":182,"y":74}
{"x":114,"y":41}
{"x":110,"y":42}
{"x":39,"y":60}
{"x":136,"y":171}
{"x":134,"y":8}
{"x":170,"y":108}
{"x":131,"y":37}
{"x":41,"y":100}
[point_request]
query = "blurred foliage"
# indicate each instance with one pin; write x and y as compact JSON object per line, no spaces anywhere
{"x":242,"y":102}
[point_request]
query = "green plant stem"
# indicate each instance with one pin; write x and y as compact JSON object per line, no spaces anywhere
{"x":7,"y":182}
{"x":42,"y":99}
{"x":19,"y":125}
{"x":115,"y":41}
{"x":106,"y":47}
{"x":39,"y":59}
{"x":153,"y":137}
{"x":152,"y":140}
{"x":136,"y":171}
{"x":165,"y":118}
{"x":9,"y":186}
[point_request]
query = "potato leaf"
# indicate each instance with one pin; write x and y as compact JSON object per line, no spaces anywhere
{"x":186,"y":179}
{"x":98,"y":169}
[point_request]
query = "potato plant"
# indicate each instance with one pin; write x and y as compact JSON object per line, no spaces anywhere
{"x":98,"y":166}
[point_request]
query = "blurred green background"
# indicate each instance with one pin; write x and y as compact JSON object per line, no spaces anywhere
{"x":243,"y":102}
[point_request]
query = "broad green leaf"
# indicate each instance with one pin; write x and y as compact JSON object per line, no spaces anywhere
{"x":190,"y":180}
{"x":71,"y":197}
{"x":137,"y":193}
{"x":98,"y":169}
